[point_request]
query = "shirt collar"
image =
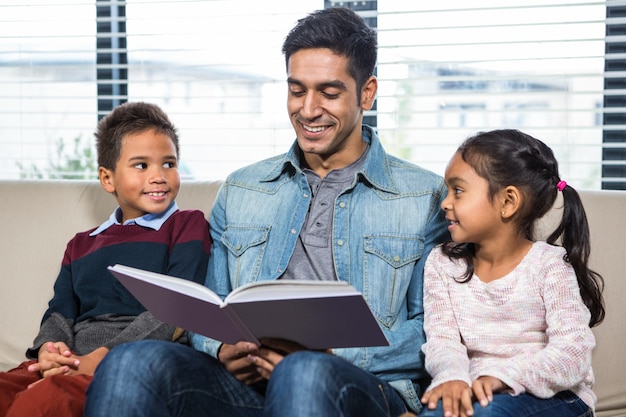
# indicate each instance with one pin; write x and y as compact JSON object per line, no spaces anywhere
{"x":150,"y":220}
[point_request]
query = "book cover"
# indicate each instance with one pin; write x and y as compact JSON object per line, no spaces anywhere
{"x":315,"y":314}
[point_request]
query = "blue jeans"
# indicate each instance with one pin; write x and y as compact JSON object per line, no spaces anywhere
{"x":563,"y":404}
{"x":157,"y":379}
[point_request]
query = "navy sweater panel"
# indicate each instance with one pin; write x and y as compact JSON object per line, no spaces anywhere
{"x":85,"y":288}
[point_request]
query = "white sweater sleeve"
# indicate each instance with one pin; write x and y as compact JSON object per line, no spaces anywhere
{"x":446,"y":355}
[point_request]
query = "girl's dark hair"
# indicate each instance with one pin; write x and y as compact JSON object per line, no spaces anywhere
{"x":129,"y":118}
{"x":342,"y":31}
{"x":510,"y":157}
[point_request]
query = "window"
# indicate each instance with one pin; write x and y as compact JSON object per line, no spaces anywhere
{"x":454,"y":68}
{"x":446,"y":71}
{"x":48,"y":96}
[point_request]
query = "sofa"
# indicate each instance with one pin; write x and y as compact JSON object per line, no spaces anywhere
{"x":39,"y":218}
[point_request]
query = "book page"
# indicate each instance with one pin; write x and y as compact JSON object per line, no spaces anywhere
{"x":180,"y":285}
{"x":289,"y":290}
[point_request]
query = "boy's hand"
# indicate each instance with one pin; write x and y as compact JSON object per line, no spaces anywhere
{"x":89,"y":362}
{"x":54,"y":358}
{"x":456,"y":398}
{"x":485,"y":386}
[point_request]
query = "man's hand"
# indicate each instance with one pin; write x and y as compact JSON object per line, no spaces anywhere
{"x":238,"y":360}
{"x":456,"y":398}
{"x":271,"y":353}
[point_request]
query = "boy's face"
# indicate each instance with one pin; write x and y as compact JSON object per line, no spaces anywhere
{"x":146,"y":178}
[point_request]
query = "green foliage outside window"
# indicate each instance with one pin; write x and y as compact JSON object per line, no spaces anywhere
{"x":79,"y":162}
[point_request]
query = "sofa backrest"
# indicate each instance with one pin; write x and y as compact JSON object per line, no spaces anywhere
{"x":608,"y":257}
{"x":605,"y":211}
{"x":40,"y":217}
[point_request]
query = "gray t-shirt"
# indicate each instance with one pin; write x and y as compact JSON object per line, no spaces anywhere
{"x":313,"y":256}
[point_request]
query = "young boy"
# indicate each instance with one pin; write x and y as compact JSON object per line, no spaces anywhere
{"x":90,"y":311}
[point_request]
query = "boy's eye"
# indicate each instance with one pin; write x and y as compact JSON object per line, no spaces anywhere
{"x":457,"y":191}
{"x":169,"y":164}
{"x":140,"y":165}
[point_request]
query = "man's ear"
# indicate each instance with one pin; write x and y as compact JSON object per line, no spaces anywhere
{"x":368,"y":93}
{"x":511,"y":201}
{"x":105,"y":176}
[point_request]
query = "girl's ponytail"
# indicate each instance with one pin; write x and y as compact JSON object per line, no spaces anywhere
{"x":575,"y":238}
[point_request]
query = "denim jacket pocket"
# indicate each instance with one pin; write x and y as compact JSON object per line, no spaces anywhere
{"x":388,"y":270}
{"x":246,"y":246}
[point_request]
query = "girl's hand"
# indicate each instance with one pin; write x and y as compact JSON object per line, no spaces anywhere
{"x":456,"y":398}
{"x":484,"y":388}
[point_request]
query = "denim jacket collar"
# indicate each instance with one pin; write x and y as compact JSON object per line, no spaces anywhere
{"x":375,"y":169}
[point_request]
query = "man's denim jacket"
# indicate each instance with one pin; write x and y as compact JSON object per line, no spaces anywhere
{"x":384,"y":226}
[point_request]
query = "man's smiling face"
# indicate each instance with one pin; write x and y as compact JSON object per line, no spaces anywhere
{"x":324,"y":108}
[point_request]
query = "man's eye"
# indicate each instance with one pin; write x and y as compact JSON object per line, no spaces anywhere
{"x":296,"y":93}
{"x":330,"y":96}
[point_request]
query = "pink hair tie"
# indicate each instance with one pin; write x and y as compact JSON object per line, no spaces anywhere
{"x":561,"y":185}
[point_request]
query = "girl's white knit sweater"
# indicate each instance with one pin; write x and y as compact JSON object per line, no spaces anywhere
{"x":529,"y":328}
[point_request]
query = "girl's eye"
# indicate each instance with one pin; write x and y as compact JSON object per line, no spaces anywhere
{"x":457,"y":191}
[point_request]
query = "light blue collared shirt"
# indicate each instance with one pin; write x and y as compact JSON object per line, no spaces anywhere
{"x":151,"y":220}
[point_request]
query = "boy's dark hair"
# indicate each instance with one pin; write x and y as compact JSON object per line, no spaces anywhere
{"x":511,"y":158}
{"x":130,"y":118}
{"x":343,"y":32}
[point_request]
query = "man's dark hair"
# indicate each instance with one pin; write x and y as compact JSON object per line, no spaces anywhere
{"x":342,"y":31}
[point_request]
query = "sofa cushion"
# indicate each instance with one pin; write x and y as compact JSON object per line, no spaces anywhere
{"x":39,"y":218}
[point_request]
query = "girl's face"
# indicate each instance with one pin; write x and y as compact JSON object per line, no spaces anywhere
{"x":473,"y":216}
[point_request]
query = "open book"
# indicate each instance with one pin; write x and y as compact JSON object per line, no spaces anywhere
{"x":315,"y":314}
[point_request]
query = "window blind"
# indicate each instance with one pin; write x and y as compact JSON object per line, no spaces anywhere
{"x":452,"y":69}
{"x":446,"y":70}
{"x":47,"y":88}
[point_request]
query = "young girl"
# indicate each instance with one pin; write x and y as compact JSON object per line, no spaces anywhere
{"x":508,"y":319}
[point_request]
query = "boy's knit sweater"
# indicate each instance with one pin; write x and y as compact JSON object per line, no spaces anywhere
{"x":530,"y":328}
{"x":90,"y":308}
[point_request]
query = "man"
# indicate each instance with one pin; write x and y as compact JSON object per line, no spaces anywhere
{"x":336,"y":206}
